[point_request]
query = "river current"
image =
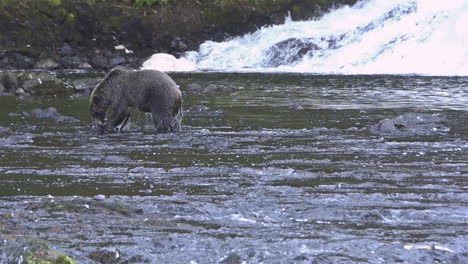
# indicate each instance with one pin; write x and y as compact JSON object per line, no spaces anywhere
{"x":272,"y":168}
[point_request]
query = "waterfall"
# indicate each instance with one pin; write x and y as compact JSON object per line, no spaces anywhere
{"x":426,"y":37}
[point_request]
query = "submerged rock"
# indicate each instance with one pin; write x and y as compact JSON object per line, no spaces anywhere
{"x":410,"y":124}
{"x":211,"y":88}
{"x":297,"y":107}
{"x":201,"y":110}
{"x":232,"y":258}
{"x":51,"y":113}
{"x":115,"y":256}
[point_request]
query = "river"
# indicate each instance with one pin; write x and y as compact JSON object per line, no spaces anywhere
{"x":274,"y":168}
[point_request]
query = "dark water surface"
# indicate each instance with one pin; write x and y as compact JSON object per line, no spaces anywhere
{"x":250,"y":180}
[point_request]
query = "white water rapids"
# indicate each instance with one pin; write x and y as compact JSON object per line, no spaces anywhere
{"x":427,"y":37}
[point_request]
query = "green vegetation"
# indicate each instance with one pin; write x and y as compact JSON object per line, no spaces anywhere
{"x":55,"y":2}
{"x":143,"y":3}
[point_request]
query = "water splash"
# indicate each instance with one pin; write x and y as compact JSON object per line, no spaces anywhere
{"x":424,"y":37}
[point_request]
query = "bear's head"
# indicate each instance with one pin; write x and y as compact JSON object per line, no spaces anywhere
{"x":98,"y":109}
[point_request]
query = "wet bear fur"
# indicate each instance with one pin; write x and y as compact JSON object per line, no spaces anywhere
{"x":148,"y":91}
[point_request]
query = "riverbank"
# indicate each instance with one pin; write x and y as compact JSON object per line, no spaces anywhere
{"x":102,"y":34}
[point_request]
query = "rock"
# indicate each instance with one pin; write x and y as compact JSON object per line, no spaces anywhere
{"x":116,"y":60}
{"x":232,"y":258}
{"x":29,"y":84}
{"x":46,"y":64}
{"x":23,"y":62}
{"x":167,"y":62}
{"x":211,"y":88}
{"x":194,"y":88}
{"x":66,"y":50}
{"x":99,"y":62}
{"x":85,"y":85}
{"x":71,"y":62}
{"x":42,"y":83}
{"x":289,"y":51}
{"x":410,"y":124}
{"x":50,"y":113}
{"x":84,"y":65}
{"x":29,"y":250}
{"x":198,"y":108}
{"x":4,"y":130}
{"x":201,"y":110}
{"x":177,"y":44}
{"x":21,"y":92}
{"x":297,"y":107}
{"x":9,"y":81}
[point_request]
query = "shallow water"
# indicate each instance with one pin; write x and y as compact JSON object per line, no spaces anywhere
{"x":251,"y":180}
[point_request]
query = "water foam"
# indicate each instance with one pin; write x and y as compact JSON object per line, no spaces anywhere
{"x":424,"y":37}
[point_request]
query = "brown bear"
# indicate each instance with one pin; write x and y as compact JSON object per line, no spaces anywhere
{"x":149,"y":91}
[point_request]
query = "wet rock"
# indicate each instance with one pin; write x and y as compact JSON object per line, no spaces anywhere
{"x":193,"y":88}
{"x":289,"y":51}
{"x":410,"y":124}
{"x":297,"y":108}
{"x":232,"y":258}
{"x":85,"y":65}
{"x":106,"y":256}
{"x":198,"y":108}
{"x":47,"y":64}
{"x":201,"y":110}
{"x":85,"y":85}
{"x":21,"y":92}
{"x":301,"y":258}
{"x":4,"y":130}
{"x":115,"y":256}
{"x":211,"y":88}
{"x":96,"y":206}
{"x":50,"y":113}
{"x":99,"y":197}
{"x":41,"y":83}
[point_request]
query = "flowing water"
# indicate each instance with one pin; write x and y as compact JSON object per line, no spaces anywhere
{"x":372,"y":37}
{"x":281,"y":168}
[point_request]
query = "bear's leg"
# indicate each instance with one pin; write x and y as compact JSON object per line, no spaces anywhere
{"x":120,"y":127}
{"x":162,"y":123}
{"x":119,"y":118}
{"x":158,"y":122}
{"x":176,"y":121}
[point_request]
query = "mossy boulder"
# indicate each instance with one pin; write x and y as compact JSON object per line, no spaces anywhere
{"x":42,"y":83}
{"x":33,"y":251}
